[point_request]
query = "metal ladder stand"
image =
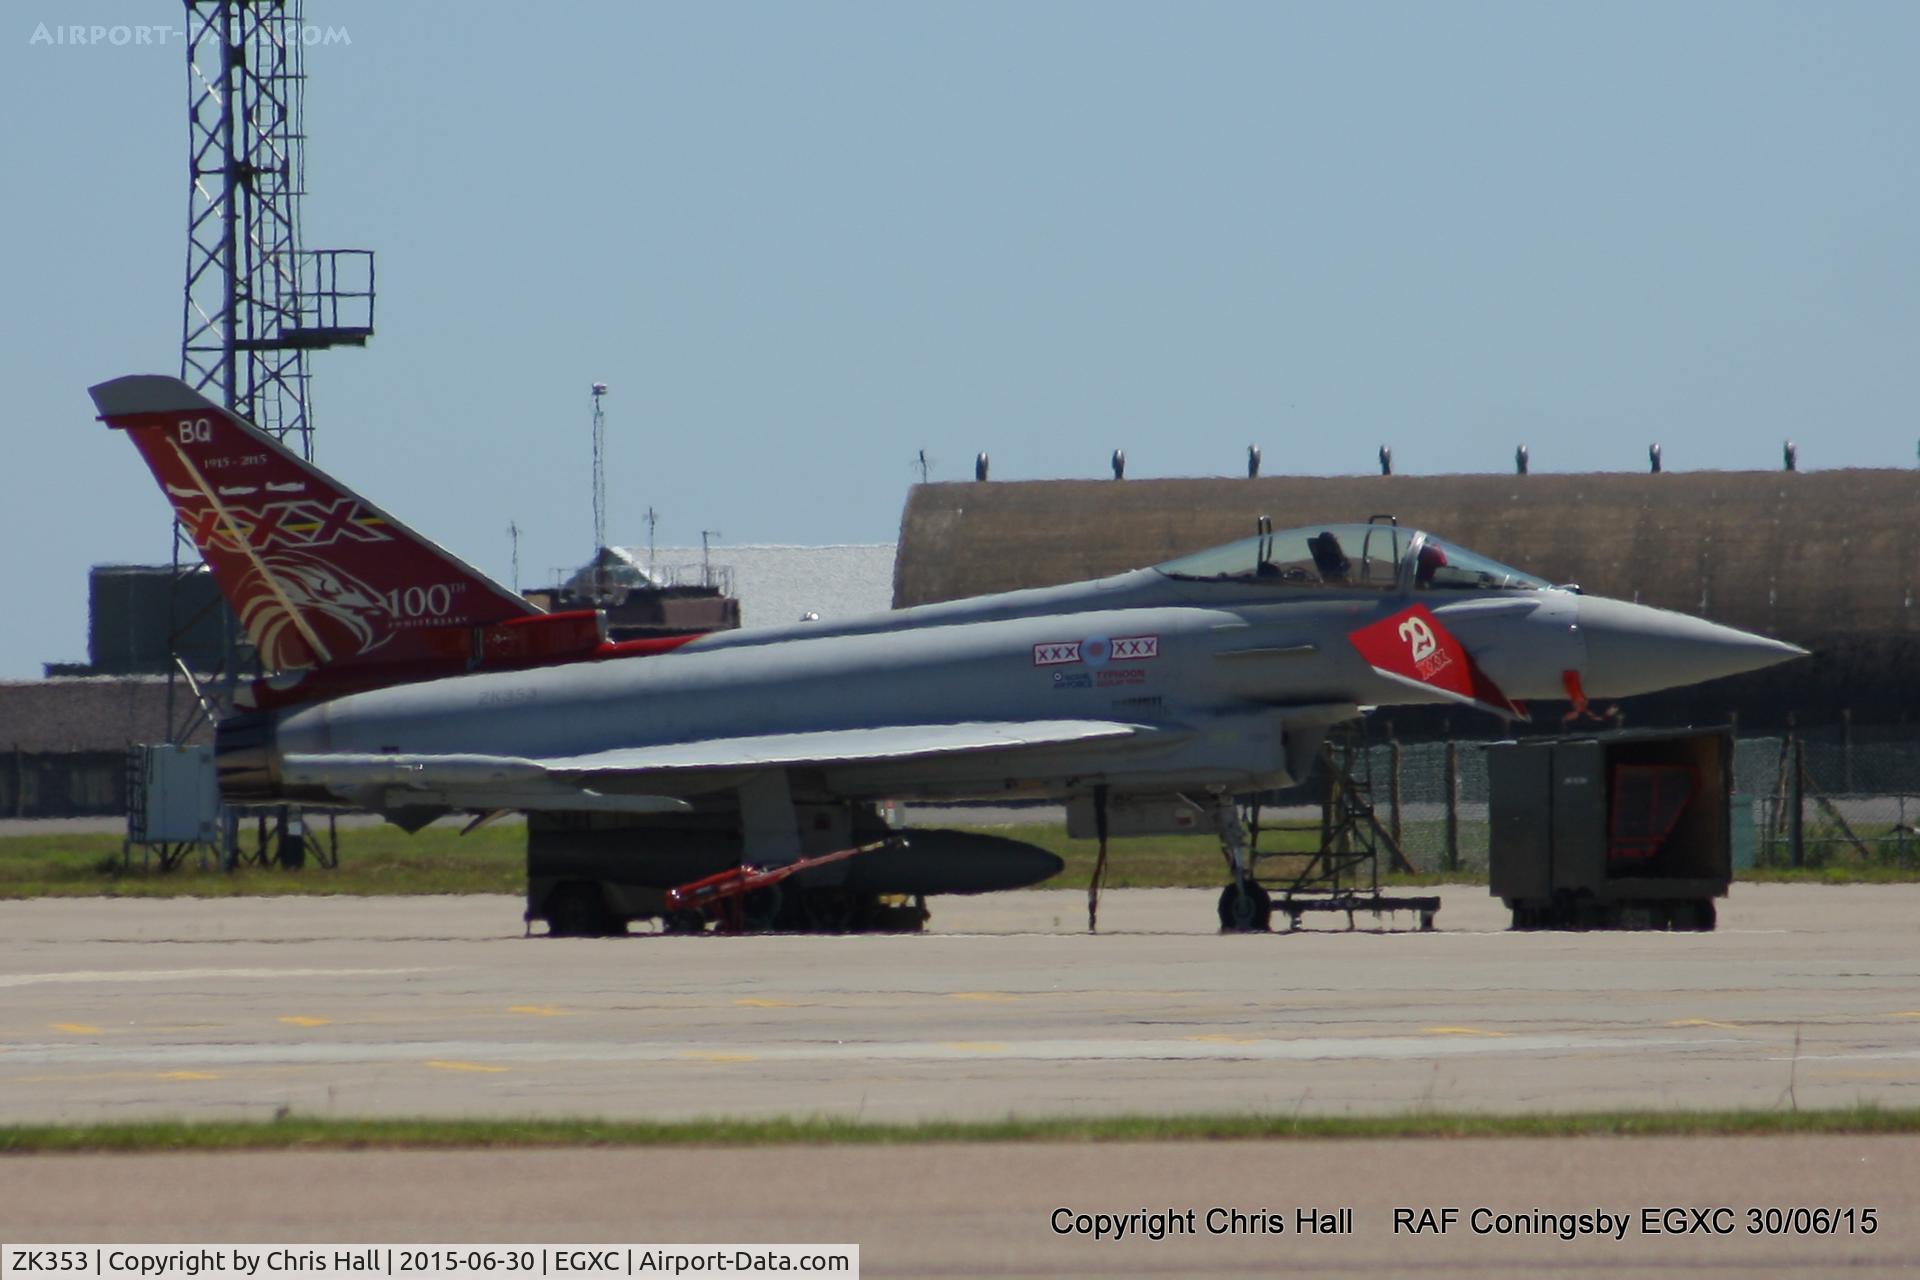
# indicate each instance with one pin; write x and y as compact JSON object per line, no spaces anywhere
{"x":1343,"y":874}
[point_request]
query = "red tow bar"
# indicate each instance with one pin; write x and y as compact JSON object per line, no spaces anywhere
{"x":722,"y":895}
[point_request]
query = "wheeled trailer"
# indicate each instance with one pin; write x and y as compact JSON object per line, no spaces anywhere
{"x":1626,"y":830}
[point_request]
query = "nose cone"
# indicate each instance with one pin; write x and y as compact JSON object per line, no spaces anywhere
{"x":1632,"y":648}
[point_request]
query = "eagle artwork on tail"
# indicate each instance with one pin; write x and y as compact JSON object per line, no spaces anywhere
{"x":291,"y":600}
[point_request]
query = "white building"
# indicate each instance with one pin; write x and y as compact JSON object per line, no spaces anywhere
{"x":777,"y":585}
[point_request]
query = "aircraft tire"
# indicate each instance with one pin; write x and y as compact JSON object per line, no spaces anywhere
{"x":1700,"y":916}
{"x":578,"y":910}
{"x":1245,"y":907}
{"x":683,"y":922}
{"x":883,"y":916}
{"x":765,"y":910}
{"x":832,"y":911}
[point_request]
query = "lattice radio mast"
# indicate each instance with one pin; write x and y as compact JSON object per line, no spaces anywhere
{"x":599,"y":493}
{"x":257,"y":301}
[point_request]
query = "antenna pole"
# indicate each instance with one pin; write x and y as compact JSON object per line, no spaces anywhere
{"x":599,"y":493}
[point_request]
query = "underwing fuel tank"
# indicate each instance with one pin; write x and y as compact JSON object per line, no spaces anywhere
{"x":669,"y":852}
{"x":938,"y":861}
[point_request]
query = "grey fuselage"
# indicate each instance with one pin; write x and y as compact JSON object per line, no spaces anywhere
{"x":1239,"y":682}
{"x":1219,"y":670}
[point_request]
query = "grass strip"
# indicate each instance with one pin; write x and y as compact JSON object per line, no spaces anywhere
{"x":317,"y":1134}
{"x":383,"y":860}
{"x":374,"y":861}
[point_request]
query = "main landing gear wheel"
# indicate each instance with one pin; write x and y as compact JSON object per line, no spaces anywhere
{"x":1245,"y":907}
{"x":831,"y":911}
{"x":687,"y":921}
{"x":764,"y":910}
{"x":1697,"y":916}
{"x":577,"y":910}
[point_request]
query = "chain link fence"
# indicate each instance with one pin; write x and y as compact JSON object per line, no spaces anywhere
{"x":1822,"y":798}
{"x":1432,"y":798}
{"x":1831,"y":797}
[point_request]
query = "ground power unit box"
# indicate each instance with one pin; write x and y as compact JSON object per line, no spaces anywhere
{"x":175,"y":796}
{"x":1625,"y":830}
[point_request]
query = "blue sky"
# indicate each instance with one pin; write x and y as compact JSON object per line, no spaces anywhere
{"x":804,"y":241}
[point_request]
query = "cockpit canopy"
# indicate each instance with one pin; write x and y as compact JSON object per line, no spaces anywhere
{"x":1379,"y":556}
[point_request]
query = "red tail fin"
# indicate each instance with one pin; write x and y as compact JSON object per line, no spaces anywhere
{"x":317,"y":575}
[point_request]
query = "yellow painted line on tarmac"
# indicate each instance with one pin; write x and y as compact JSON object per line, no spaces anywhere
{"x":96,"y":1077}
{"x":1460,"y":1031}
{"x":1221,"y":1039}
{"x":85,"y":1078}
{"x":1908,"y":1013}
{"x":723,"y":1057}
{"x":976,"y":1046}
{"x":187,"y":1075}
{"x":304,"y":1020}
{"x":1705,"y":1022}
{"x":444,"y":1065}
{"x":760,"y":1002}
{"x":991,"y":997}
{"x":537,"y":1010}
{"x":77,"y":1028}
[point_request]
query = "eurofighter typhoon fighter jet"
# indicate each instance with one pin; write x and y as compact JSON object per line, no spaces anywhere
{"x":403,"y":681}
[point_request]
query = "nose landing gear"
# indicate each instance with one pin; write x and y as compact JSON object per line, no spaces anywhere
{"x":1245,"y":907}
{"x":1342,"y":875}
